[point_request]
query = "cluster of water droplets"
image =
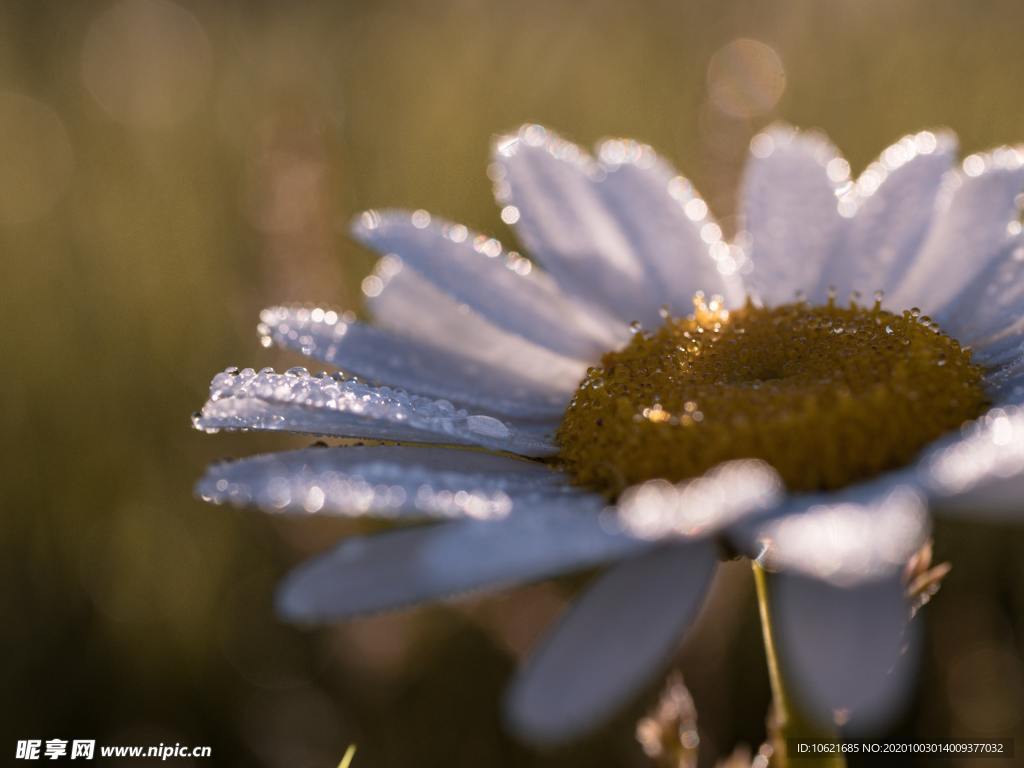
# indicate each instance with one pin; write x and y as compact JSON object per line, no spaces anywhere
{"x":614,"y":155}
{"x":379,"y":355}
{"x":333,"y":404}
{"x":370,"y":223}
{"x":701,"y":506}
{"x":987,"y":450}
{"x":384,"y":481}
{"x":852,"y":193}
{"x":311,"y":334}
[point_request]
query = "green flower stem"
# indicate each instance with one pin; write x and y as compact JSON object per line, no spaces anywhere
{"x":788,"y":723}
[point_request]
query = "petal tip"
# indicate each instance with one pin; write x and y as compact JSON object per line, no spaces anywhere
{"x":365,"y":222}
{"x":783,"y":136}
{"x":523,"y":719}
{"x":292,"y":602}
{"x":536,"y":139}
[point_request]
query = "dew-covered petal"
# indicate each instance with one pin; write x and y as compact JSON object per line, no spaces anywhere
{"x":1005,"y":383}
{"x":988,"y":313}
{"x":846,"y":651}
{"x":400,"y":568}
{"x":415,"y":365}
{"x":330,"y":405}
{"x":981,"y":470}
{"x":859,"y":534}
{"x":977,"y":211}
{"x":789,"y":213}
{"x":589,"y":222}
{"x":669,"y":226}
{"x":892,"y":204}
{"x":610,"y":643}
{"x":406,"y":482}
{"x":502,"y":287}
{"x":1002,"y":354}
{"x":700,"y":507}
{"x":404,"y":302}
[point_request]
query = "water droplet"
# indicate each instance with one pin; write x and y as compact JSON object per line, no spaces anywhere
{"x":510,"y":214}
{"x":487,"y":426}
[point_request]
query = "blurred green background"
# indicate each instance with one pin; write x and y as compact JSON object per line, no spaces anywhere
{"x":169,"y":169}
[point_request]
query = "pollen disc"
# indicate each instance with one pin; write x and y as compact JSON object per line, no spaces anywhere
{"x":828,"y":395}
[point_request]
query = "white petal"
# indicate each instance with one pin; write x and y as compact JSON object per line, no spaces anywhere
{"x":1001,"y":354}
{"x":981,"y":470}
{"x":1005,"y":384}
{"x":403,"y":302}
{"x":988,"y":314}
{"x":844,"y":650}
{"x":411,"y":364}
{"x":501,"y":287}
{"x":383,"y":481}
{"x":699,"y":507}
{"x":400,"y":568}
{"x":329,"y":405}
{"x":789,"y":213}
{"x":668,"y":226}
{"x":859,"y":534}
{"x":610,"y":231}
{"x":894,"y":203}
{"x":971,"y":225}
{"x":610,"y":643}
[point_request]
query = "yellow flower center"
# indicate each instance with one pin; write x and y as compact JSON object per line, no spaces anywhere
{"x":825,"y":394}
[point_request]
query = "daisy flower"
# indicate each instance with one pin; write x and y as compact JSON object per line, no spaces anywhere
{"x":641,"y":391}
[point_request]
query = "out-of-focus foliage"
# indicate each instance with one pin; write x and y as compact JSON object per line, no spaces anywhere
{"x":169,"y":169}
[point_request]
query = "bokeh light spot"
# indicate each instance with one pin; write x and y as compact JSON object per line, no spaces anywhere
{"x":147,"y":63}
{"x":38,"y":160}
{"x":746,"y":78}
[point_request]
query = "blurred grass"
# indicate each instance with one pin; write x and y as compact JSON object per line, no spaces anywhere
{"x":216,"y":153}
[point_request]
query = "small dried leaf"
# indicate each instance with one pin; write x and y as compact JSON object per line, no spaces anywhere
{"x":923,"y":580}
{"x":668,"y":734}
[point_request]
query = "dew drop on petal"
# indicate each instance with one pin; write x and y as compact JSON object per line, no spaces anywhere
{"x":487,"y":425}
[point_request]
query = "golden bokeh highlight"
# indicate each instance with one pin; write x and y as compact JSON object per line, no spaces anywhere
{"x":746,"y":78}
{"x":147,"y":63}
{"x":38,"y":161}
